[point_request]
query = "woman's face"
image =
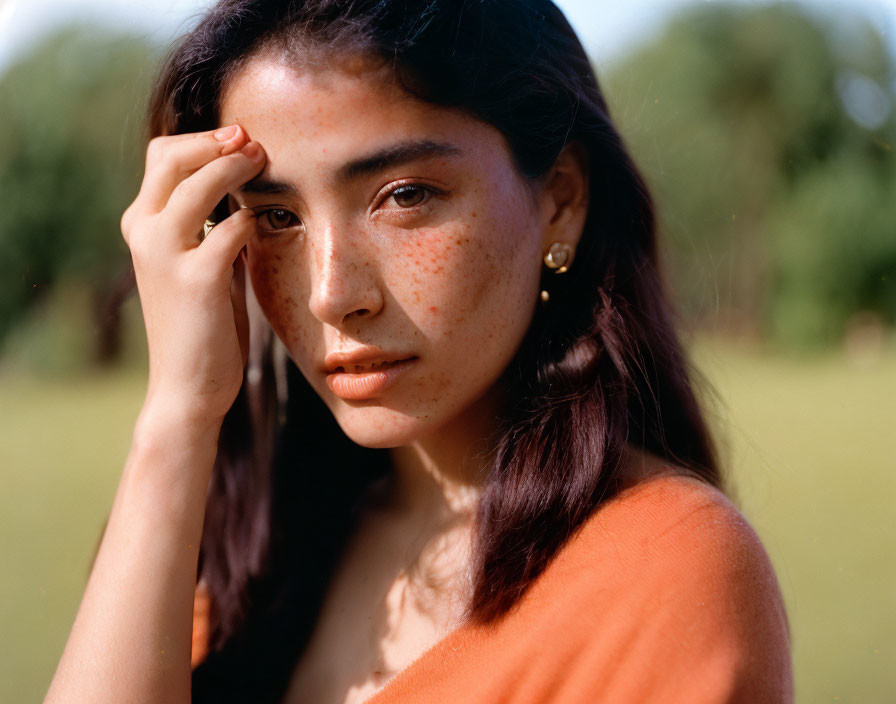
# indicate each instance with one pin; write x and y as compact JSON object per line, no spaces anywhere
{"x":385,"y":224}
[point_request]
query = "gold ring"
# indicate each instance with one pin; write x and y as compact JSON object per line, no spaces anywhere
{"x":207,"y":227}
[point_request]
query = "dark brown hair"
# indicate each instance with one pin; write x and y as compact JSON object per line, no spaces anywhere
{"x":600,"y":367}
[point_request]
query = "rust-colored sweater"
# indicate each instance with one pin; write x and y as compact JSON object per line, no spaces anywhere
{"x":664,"y":595}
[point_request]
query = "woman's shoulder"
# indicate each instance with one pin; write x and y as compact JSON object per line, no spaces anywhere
{"x":672,"y":508}
{"x":675,"y":535}
{"x":667,"y":525}
{"x":664,"y":594}
{"x":669,"y":571}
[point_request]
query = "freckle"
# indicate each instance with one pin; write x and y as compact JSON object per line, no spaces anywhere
{"x":434,"y":309}
{"x":278,"y":257}
{"x":474,"y":213}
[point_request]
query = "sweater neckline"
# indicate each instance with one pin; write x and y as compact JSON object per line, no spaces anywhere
{"x":461,"y":633}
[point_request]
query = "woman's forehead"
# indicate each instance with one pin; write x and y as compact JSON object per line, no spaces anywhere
{"x":272,"y":87}
{"x":330,"y":116}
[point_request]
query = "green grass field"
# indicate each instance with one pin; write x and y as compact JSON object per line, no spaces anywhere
{"x":812,"y":449}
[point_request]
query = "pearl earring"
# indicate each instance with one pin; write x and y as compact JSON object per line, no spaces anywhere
{"x":558,"y":258}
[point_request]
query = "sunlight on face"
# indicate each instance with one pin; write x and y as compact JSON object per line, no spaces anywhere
{"x":386,"y":222}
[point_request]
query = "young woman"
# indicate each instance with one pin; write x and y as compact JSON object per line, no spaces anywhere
{"x":468,"y":464}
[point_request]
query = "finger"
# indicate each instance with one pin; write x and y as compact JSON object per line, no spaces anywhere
{"x":221,"y":249}
{"x":196,"y":197}
{"x":170,"y":160}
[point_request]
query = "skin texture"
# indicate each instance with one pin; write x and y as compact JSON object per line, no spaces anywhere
{"x":450,"y":276}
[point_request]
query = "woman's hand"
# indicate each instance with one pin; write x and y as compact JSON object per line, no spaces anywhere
{"x":192,"y":291}
{"x":132,"y":631}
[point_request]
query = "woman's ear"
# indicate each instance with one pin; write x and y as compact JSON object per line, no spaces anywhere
{"x":563,"y":197}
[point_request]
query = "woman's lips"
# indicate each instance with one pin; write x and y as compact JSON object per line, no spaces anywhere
{"x":354,"y":387}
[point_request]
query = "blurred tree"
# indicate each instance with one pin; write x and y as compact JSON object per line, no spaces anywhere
{"x":768,"y":137}
{"x":70,"y":162}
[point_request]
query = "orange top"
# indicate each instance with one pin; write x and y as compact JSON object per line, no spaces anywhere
{"x":665,"y":594}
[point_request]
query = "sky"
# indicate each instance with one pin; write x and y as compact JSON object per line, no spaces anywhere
{"x":606,"y":27}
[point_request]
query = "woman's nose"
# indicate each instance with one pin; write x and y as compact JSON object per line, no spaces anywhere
{"x":344,"y":284}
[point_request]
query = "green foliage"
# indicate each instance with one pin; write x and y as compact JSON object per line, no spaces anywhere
{"x":772,"y":166}
{"x":70,"y":162}
{"x":51,"y":340}
{"x":834,"y":251}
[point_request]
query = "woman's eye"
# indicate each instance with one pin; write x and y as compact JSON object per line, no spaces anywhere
{"x":277,"y":219}
{"x":409,"y":196}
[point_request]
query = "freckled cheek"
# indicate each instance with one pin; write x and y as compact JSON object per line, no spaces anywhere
{"x":431,"y":272}
{"x":448,"y":277}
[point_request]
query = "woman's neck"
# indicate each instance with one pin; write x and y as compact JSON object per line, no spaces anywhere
{"x":441,"y":476}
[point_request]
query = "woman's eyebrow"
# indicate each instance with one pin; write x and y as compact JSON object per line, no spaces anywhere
{"x":393,"y":155}
{"x":267,"y":186}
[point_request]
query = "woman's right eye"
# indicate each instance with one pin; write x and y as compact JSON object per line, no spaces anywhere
{"x":276,"y":219}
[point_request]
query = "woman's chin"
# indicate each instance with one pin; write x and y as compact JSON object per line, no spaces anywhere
{"x":379,"y":427}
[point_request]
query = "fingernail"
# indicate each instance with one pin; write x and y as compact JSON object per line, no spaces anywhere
{"x":253,"y":151}
{"x":225,"y":133}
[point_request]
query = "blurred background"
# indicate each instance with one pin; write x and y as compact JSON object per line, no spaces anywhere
{"x":766,"y":131}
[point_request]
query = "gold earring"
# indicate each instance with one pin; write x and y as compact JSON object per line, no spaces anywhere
{"x":558,"y":258}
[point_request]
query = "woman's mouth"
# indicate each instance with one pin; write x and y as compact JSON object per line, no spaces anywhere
{"x":361,"y":368}
{"x":354,"y":382}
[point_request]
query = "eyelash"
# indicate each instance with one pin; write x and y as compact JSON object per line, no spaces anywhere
{"x":429,"y":192}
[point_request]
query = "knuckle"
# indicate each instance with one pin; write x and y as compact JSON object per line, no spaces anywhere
{"x":155,"y":149}
{"x":163,"y":155}
{"x":137,"y":245}
{"x":170,"y":161}
{"x":132,"y":224}
{"x":141,"y":242}
{"x":126,"y":220}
